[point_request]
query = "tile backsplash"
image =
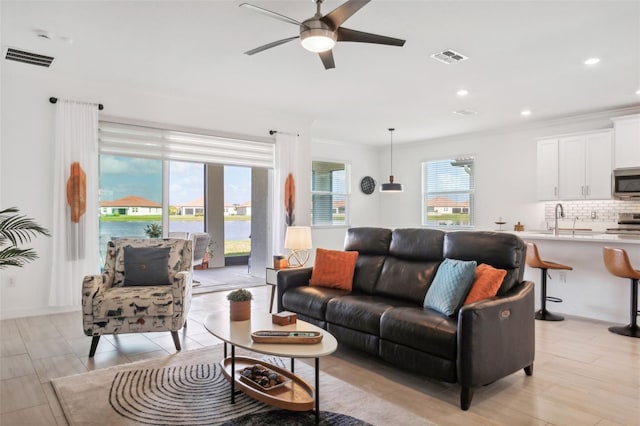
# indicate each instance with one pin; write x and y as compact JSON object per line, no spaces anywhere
{"x":606,"y":210}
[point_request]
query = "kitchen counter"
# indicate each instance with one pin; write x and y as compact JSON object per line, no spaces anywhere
{"x":589,"y":290}
{"x":580,"y":236}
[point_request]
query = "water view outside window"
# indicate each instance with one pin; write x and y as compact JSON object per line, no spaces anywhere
{"x":186,"y":197}
{"x":130,"y":197}
{"x":447,"y":192}
{"x":237,"y":211}
{"x":131,"y":201}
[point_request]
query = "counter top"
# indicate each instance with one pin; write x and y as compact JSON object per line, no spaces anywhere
{"x":580,"y":236}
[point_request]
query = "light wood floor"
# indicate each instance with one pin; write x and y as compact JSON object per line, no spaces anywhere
{"x":583,"y":374}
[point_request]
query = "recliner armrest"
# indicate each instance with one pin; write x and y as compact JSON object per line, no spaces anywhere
{"x":288,"y":278}
{"x":496,"y":337}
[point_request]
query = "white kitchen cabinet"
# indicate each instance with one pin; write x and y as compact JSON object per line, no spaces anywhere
{"x":547,"y":169}
{"x":585,"y":165}
{"x":626,"y":141}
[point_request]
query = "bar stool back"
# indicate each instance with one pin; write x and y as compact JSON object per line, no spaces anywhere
{"x":534,"y":261}
{"x":617,"y":262}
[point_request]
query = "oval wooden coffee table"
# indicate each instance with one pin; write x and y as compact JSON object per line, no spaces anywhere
{"x":296,"y":395}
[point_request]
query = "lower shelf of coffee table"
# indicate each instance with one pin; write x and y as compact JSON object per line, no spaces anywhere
{"x":296,"y":395}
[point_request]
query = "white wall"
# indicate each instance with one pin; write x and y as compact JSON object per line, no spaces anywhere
{"x":505,"y":178}
{"x":364,"y":210}
{"x":505,"y":166}
{"x":27,"y":150}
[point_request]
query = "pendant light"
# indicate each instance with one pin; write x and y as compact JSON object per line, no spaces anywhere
{"x":391,"y":186}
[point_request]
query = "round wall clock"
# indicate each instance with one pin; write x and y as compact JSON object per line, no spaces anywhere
{"x":367,"y":185}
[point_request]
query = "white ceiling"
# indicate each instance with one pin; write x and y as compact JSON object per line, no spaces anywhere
{"x":523,"y":55}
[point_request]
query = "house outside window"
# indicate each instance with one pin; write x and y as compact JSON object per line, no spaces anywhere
{"x":447,"y":193}
{"x":329,"y":193}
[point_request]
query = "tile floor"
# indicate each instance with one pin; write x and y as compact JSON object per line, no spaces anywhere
{"x":583,"y":374}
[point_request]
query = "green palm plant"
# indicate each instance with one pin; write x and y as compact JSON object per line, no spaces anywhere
{"x":17,"y":229}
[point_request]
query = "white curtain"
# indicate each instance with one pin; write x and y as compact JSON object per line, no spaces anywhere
{"x":287,"y":148}
{"x":75,"y":212}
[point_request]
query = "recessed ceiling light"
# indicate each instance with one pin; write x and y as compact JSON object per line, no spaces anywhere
{"x":638,"y":92}
{"x":592,"y":61}
{"x":525,"y":112}
{"x":462,"y":92}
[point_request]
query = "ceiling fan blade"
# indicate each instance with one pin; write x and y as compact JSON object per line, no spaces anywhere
{"x":343,"y":12}
{"x":345,"y":34}
{"x":271,"y":14}
{"x":270,"y":45}
{"x":327,"y":59}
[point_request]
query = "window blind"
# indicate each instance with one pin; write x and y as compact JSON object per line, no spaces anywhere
{"x":448,"y":187}
{"x":147,"y":142}
{"x":328,"y":193}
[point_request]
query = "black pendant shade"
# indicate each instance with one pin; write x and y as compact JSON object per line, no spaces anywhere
{"x":391,"y":186}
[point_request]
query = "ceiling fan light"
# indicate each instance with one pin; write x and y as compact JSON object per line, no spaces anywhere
{"x":318,"y":39}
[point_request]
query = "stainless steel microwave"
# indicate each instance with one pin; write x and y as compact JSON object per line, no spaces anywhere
{"x":626,"y":183}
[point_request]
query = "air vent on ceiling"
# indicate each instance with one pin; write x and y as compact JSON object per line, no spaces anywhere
{"x":449,"y":57}
{"x":465,"y":112}
{"x":28,"y":57}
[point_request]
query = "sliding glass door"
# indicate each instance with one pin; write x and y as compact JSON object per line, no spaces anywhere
{"x":130,"y":198}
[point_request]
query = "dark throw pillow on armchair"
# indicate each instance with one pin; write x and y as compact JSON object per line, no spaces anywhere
{"x":146,"y":266}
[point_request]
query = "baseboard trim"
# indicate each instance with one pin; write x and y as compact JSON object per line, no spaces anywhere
{"x":34,"y":312}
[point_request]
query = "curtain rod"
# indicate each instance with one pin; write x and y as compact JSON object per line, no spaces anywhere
{"x":54,"y":100}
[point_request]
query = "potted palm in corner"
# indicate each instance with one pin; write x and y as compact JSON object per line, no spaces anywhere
{"x":240,"y":304}
{"x":17,"y":229}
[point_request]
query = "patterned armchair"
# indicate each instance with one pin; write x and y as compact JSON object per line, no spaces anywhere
{"x":114,"y":303}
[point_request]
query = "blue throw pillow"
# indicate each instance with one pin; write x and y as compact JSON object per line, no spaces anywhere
{"x":450,"y":286}
{"x":146,"y":266}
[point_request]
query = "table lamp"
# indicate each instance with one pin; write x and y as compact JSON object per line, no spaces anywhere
{"x":298,"y":240}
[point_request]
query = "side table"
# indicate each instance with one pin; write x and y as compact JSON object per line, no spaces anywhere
{"x":272,"y":280}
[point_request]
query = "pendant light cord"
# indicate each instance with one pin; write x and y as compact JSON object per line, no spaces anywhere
{"x":391,"y":156}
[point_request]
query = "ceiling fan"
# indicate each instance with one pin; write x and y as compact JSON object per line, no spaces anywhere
{"x":320,"y":33}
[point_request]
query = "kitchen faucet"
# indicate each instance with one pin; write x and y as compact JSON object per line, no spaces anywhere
{"x":556,"y":230}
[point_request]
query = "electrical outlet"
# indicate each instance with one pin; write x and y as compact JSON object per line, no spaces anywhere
{"x":594,"y":214}
{"x":11,"y":282}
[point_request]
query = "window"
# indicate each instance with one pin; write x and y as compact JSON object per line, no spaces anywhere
{"x":153,"y":177}
{"x":447,"y":192}
{"x":130,"y":197}
{"x":329,"y":198}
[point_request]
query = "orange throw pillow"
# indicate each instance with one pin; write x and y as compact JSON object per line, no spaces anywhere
{"x":486,"y":284}
{"x":333,"y":268}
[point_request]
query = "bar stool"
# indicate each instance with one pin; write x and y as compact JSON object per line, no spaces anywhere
{"x":617,"y":262}
{"x":534,"y":261}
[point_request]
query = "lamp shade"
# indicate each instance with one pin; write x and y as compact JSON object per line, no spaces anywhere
{"x":391,"y":187}
{"x":298,"y":238}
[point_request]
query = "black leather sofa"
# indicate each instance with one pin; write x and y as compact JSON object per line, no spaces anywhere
{"x":383,"y":315}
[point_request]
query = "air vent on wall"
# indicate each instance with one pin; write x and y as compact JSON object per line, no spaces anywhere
{"x":449,"y":57}
{"x":28,"y":57}
{"x":465,"y":112}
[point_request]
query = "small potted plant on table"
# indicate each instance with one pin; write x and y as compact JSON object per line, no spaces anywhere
{"x":240,"y":304}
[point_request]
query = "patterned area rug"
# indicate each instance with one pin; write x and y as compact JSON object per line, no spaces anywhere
{"x":181,"y":395}
{"x":188,"y":388}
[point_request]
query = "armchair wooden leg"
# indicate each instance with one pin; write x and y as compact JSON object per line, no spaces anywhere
{"x":176,"y":340}
{"x":466,"y":394}
{"x":528,"y":370}
{"x":94,"y":346}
